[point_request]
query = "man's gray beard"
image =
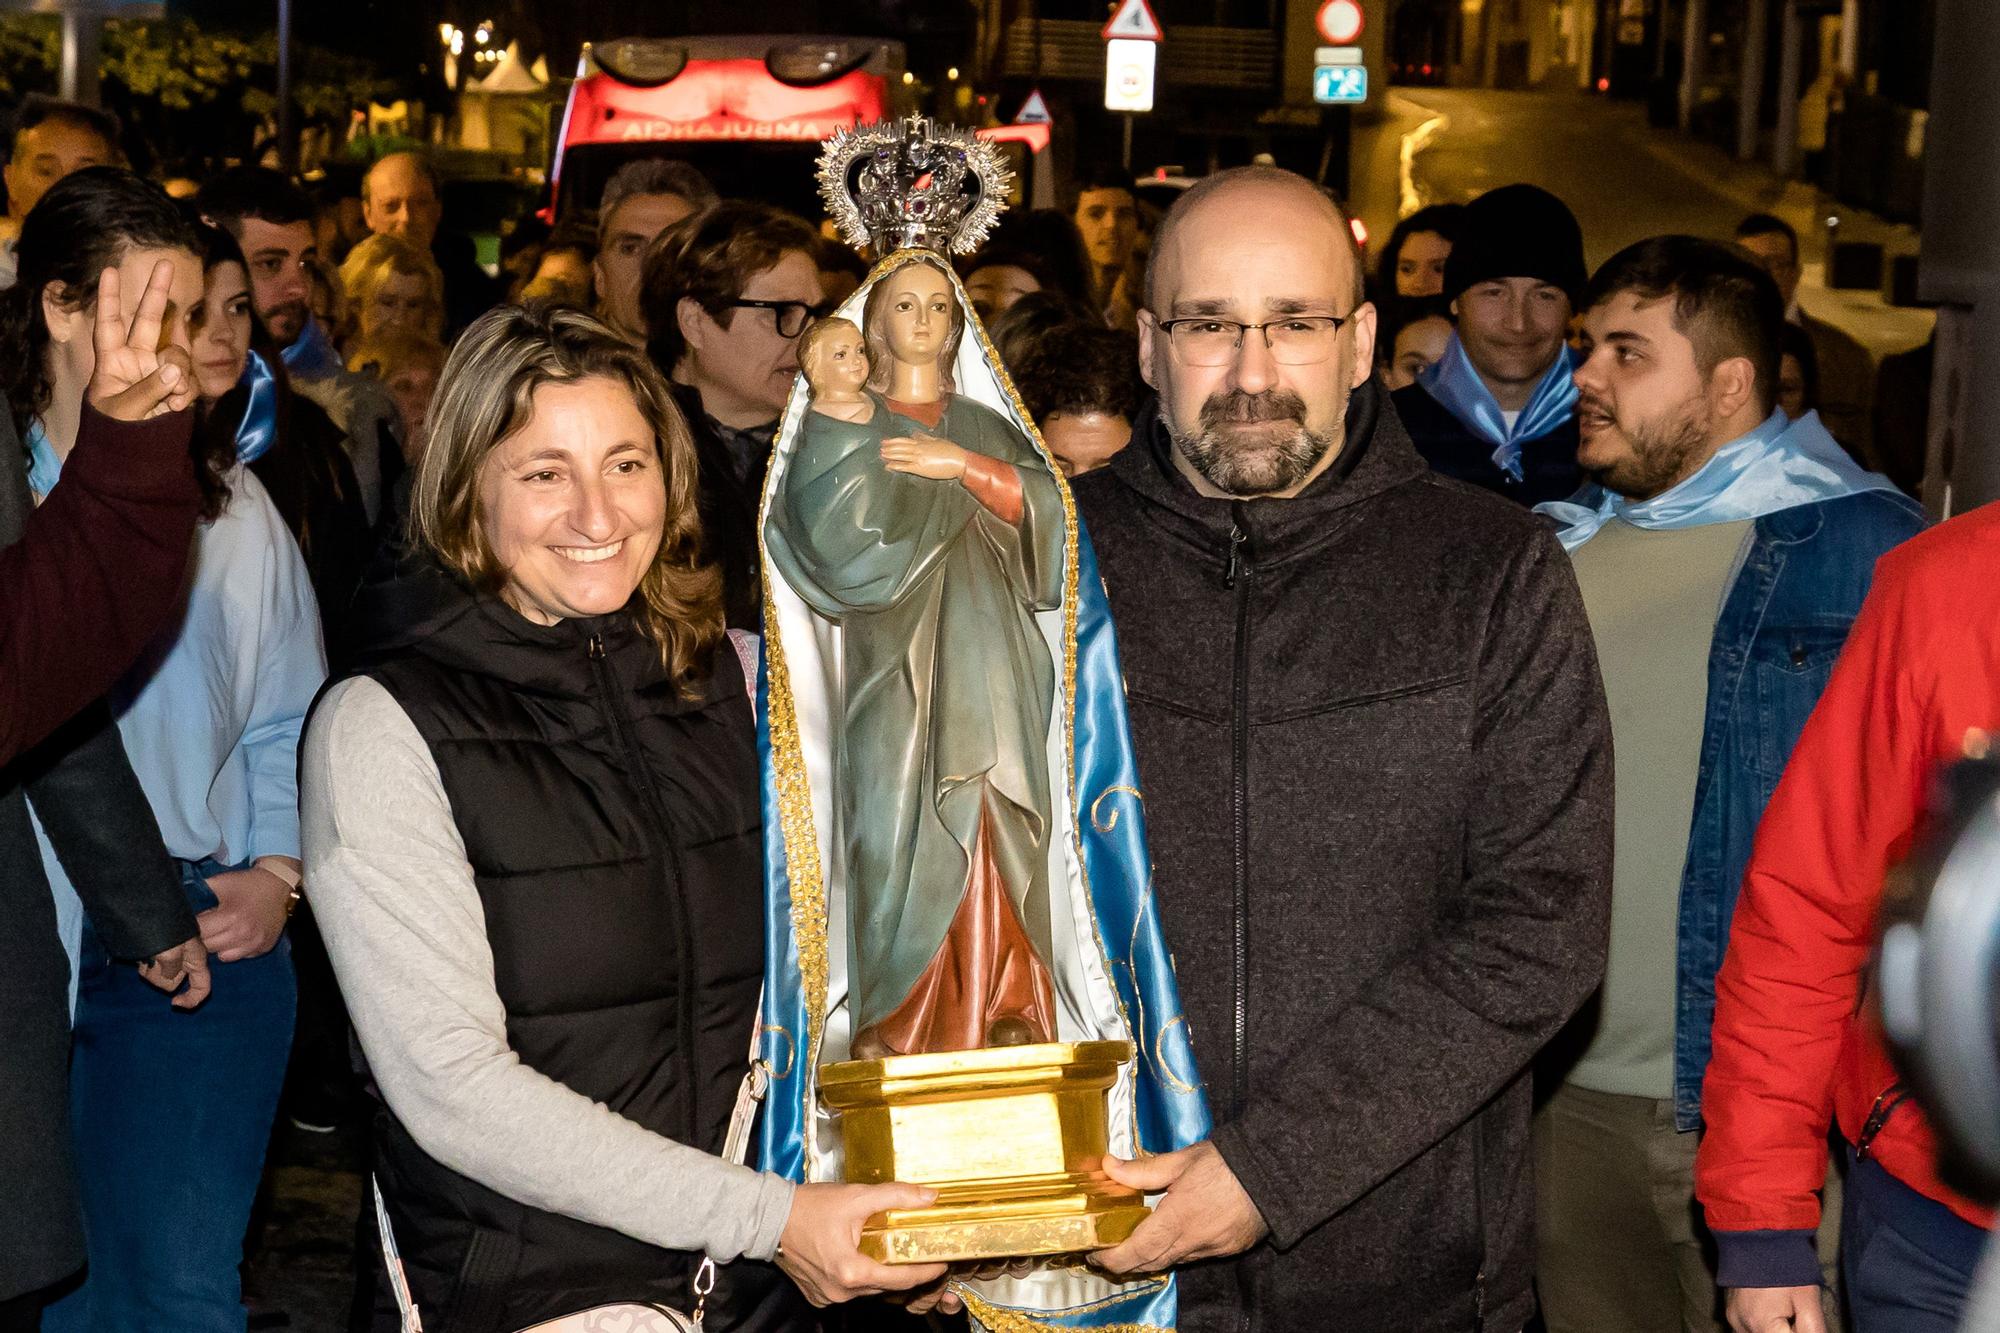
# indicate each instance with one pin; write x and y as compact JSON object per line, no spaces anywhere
{"x":1660,"y":451}
{"x":1258,"y":470}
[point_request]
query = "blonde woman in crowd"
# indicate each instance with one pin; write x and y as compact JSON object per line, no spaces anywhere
{"x":408,"y":364}
{"x":389,"y":282}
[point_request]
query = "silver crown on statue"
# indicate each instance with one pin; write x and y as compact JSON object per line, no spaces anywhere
{"x":913,"y":184}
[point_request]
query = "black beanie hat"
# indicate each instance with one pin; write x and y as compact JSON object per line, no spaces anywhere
{"x":1517,"y":231}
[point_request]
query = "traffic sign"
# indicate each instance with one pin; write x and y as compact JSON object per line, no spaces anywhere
{"x":1134,"y":22}
{"x":1034,"y":111}
{"x":1340,"y":83}
{"x":1340,"y":21}
{"x":1337,"y":55}
{"x":1128,"y":74}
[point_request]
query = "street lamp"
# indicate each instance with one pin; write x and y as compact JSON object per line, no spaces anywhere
{"x":452,"y":38}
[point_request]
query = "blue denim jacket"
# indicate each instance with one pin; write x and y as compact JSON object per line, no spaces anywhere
{"x":1783,"y":623}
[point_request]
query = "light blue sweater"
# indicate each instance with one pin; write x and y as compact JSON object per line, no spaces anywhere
{"x":211,"y":714}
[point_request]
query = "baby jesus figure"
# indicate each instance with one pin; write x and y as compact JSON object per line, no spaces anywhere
{"x":834,"y":356}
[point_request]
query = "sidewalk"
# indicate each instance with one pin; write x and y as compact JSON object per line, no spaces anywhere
{"x":1866,"y":317}
{"x":1874,"y":377}
{"x":300,"y":1276}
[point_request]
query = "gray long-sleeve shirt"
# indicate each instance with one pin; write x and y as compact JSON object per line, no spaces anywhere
{"x":394,"y":895}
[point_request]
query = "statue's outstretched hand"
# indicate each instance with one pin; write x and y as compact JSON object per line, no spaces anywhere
{"x":138,"y":375}
{"x":924,"y":456}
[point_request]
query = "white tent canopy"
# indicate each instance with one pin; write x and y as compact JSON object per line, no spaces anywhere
{"x":510,"y":74}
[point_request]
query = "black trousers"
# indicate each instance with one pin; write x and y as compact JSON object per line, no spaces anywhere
{"x":23,"y":1314}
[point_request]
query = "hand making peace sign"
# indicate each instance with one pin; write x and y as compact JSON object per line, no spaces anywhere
{"x":138,"y":375}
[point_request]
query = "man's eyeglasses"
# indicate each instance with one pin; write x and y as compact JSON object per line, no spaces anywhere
{"x":1296,"y":340}
{"x":791,"y":316}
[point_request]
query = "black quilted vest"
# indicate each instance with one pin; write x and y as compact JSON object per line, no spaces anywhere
{"x":612,"y":826}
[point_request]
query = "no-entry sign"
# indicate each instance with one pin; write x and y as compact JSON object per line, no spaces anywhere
{"x":1340,"y":21}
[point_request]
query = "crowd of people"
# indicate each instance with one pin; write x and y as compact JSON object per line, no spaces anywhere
{"x":1527,"y":728}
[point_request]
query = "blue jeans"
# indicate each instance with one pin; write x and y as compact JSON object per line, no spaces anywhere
{"x":1908,"y":1260}
{"x":170,"y":1113}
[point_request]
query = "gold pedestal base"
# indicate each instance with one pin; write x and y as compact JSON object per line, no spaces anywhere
{"x":1072,"y":1223}
{"x":1012,"y":1138}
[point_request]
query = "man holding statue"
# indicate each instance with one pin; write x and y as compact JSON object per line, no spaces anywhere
{"x":1331,"y":813}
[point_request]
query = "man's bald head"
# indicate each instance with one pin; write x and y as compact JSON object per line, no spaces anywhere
{"x":401,"y":196}
{"x":1243,"y":191}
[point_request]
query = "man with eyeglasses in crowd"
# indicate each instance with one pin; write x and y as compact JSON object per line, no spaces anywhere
{"x":725,"y":296}
{"x":1378,"y":795}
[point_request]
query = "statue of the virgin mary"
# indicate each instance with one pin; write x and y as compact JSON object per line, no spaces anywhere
{"x":932,"y":535}
{"x":955,"y":837}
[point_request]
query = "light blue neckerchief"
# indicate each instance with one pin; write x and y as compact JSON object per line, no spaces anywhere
{"x":1779,"y":465}
{"x":44,"y":468}
{"x":1458,"y":388}
{"x":259,"y":428}
{"x":254,"y":437}
{"x":311,"y":355}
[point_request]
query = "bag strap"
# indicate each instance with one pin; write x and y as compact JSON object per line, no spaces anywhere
{"x":406,"y":1306}
{"x":735,"y":1150}
{"x":749,"y":1094}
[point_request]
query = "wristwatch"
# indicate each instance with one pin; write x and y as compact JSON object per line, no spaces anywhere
{"x":288,"y":875}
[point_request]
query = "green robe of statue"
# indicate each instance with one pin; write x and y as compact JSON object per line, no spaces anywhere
{"x":948,"y":686}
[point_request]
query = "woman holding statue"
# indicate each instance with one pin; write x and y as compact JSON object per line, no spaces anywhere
{"x":531,"y":838}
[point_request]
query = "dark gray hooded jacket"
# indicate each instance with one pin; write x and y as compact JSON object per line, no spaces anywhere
{"x":1377,"y":773}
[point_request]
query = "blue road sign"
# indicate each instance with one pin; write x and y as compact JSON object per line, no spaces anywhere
{"x":1340,"y":83}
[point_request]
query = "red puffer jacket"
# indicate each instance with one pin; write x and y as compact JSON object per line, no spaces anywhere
{"x":1795,"y":1045}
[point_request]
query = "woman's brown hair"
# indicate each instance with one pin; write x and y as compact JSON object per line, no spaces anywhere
{"x":486,"y":393}
{"x":880,"y":359}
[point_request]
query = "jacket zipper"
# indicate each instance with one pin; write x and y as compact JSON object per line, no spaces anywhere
{"x":1478,"y":1128}
{"x":1885,"y":1106}
{"x":1237,"y":577}
{"x":663,"y":841}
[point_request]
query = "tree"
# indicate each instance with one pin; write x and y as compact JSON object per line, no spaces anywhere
{"x":196,"y":92}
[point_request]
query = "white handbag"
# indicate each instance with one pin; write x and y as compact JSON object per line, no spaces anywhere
{"x":622,"y":1318}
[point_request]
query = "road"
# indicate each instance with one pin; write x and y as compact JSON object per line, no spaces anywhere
{"x":1623,"y":181}
{"x":1626,"y":181}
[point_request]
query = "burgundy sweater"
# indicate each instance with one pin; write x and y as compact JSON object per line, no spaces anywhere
{"x":96,"y":572}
